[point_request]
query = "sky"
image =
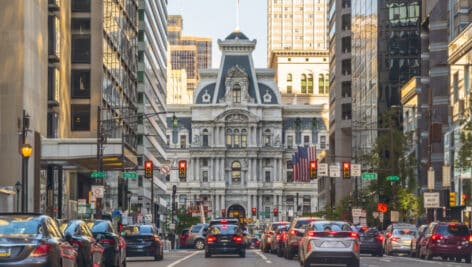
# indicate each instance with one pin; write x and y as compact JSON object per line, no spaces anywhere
{"x":217,"y":19}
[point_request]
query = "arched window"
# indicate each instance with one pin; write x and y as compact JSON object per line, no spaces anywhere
{"x":243,"y":138}
{"x":236,"y":172}
{"x":310,"y":83}
{"x":321,"y":86}
{"x":205,"y":138}
{"x":289,"y":83}
{"x":326,"y":84}
{"x":267,"y":139}
{"x":229,"y":141}
{"x":236,"y":138}
{"x":303,"y":84}
{"x":236,"y":93}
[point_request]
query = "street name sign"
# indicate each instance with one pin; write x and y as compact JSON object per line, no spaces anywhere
{"x":129,"y":175}
{"x":369,"y":176}
{"x":322,"y":169}
{"x":96,"y":174}
{"x":356,"y":170}
{"x":431,"y":200}
{"x":393,"y":178}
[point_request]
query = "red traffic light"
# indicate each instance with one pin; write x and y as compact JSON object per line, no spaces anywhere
{"x":223,"y":213}
{"x":346,"y":170}
{"x":313,"y":169}
{"x":254,"y":211}
{"x":182,"y":169}
{"x":148,"y":172}
{"x":276,"y":212}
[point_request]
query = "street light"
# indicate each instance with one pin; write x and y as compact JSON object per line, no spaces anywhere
{"x":18,"y":188}
{"x":26,"y":150}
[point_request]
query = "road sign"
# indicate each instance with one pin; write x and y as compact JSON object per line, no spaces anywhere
{"x":394,"y":216}
{"x":81,"y":209}
{"x":431,"y":178}
{"x":393,"y":178}
{"x":96,"y":174}
{"x":322,"y":169}
{"x":129,"y":175}
{"x":81,"y":201}
{"x":369,"y":176}
{"x":334,"y":171}
{"x":431,"y":200}
{"x":98,"y":191}
{"x":446,"y":173}
{"x":165,"y":169}
{"x":356,"y":212}
{"x":355,"y":170}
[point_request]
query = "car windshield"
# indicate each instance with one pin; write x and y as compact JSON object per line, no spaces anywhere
{"x":224,"y":229}
{"x":20,"y":226}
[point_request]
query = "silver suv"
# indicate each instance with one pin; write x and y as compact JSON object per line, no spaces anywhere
{"x":196,"y":236}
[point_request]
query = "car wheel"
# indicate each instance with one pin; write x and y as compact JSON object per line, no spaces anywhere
{"x":467,"y":259}
{"x":458,"y":259}
{"x":242,"y":254}
{"x":199,"y":244}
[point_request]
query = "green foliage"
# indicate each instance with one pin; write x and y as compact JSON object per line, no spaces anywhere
{"x":185,"y":220}
{"x":464,"y":154}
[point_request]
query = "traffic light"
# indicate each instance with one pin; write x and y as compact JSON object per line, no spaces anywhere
{"x":223,"y":213}
{"x":463,"y":199}
{"x":276,"y":212}
{"x":313,"y":169}
{"x":254,"y":211}
{"x":346,"y":170}
{"x":452,"y":199}
{"x":148,"y":172}
{"x":182,"y":169}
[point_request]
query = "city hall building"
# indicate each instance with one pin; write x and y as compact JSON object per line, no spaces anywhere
{"x":231,"y":151}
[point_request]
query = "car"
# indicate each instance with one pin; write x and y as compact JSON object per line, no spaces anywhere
{"x":114,"y":245}
{"x":329,"y":242}
{"x":255,"y":242}
{"x":196,"y":238}
{"x":143,"y":240}
{"x":294,"y":234}
{"x":268,"y":235}
{"x":29,"y":239}
{"x":371,"y":241}
{"x":447,"y":240}
{"x":89,"y":250}
{"x":225,"y":239}
{"x":398,"y":237}
{"x":279,"y":240}
{"x":183,"y":237}
{"x":416,"y":242}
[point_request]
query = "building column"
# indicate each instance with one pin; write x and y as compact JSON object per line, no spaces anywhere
{"x":223,"y":202}
{"x":261,"y":208}
{"x":197,"y":167}
{"x":222,"y":137}
{"x":249,"y":207}
{"x":215,"y":136}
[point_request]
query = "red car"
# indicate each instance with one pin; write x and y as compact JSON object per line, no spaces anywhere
{"x":184,"y":235}
{"x":447,"y":240}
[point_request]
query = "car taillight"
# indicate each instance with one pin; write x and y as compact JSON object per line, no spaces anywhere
{"x":237,"y":239}
{"x":293,"y":232}
{"x":380,"y":237}
{"x":436,"y":237}
{"x":107,"y":241}
{"x":75,"y":243}
{"x":470,"y":238}
{"x":41,"y":250}
{"x":211,"y":239}
{"x":395,"y":239}
{"x":311,"y":234}
{"x":353,"y":235}
{"x":277,"y":236}
{"x":151,"y":238}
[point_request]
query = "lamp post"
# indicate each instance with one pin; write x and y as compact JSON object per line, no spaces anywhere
{"x":18,"y":188}
{"x":26,"y":151}
{"x":128,"y":194}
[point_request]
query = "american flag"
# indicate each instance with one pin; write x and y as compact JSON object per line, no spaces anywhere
{"x":301,"y":163}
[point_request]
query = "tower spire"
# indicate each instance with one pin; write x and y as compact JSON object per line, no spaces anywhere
{"x":237,"y":16}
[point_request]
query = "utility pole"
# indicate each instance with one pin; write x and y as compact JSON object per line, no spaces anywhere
{"x":100,"y":140}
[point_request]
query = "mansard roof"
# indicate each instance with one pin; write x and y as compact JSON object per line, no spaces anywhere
{"x":236,"y":35}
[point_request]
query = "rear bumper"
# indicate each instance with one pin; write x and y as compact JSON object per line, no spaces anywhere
{"x":224,"y":249}
{"x":401,"y":248}
{"x":28,"y":262}
{"x":370,"y":247}
{"x":326,"y":257}
{"x":136,"y":251}
{"x":448,"y":250}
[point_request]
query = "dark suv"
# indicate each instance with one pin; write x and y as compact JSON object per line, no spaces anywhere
{"x":447,"y":240}
{"x":294,"y":234}
{"x":269,"y":234}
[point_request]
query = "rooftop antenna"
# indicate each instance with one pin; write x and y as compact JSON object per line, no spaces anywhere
{"x":237,"y":16}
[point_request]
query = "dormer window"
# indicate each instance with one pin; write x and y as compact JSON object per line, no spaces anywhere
{"x":267,"y":97}
{"x":236,"y":93}
{"x":206,"y":97}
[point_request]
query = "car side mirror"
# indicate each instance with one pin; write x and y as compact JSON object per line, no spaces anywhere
{"x":68,"y":237}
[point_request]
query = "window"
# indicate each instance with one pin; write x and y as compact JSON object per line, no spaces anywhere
{"x":205,"y":162}
{"x":467,"y":79}
{"x":346,"y":67}
{"x":80,"y":5}
{"x":346,"y":44}
{"x":205,"y":138}
{"x":53,"y":120}
{"x":229,"y":141}
{"x":54,"y":32}
{"x":236,"y":93}
{"x":80,"y":83}
{"x":303,"y":84}
{"x":346,"y":111}
{"x":267,"y":176}
{"x":322,"y":142}
{"x":267,"y":212}
{"x":310,"y":83}
{"x":346,"y":89}
{"x":80,"y":117}
{"x":267,"y":141}
{"x":243,"y":138}
{"x":80,"y":48}
{"x":168,"y":139}
{"x":236,"y":138}
{"x":236,"y":172}
{"x":306,"y":140}
{"x":321,"y":84}
{"x":80,"y":25}
{"x":289,"y":141}
{"x":455,"y":84}
{"x":205,"y":176}
{"x":54,"y":83}
{"x":289,"y":83}
{"x":183,"y":141}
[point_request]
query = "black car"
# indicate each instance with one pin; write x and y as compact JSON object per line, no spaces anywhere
{"x":279,"y":239}
{"x":143,"y":240}
{"x":225,"y":239}
{"x":29,"y":240}
{"x":113,"y":243}
{"x":371,"y":241}
{"x":89,"y":250}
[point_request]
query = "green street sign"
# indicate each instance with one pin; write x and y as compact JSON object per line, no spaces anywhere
{"x":129,"y":175}
{"x":96,"y":174}
{"x":393,"y":178}
{"x":369,"y":176}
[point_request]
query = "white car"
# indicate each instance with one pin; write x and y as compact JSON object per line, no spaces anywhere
{"x":329,"y":242}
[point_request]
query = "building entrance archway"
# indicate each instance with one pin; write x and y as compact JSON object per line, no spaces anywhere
{"x":236,"y":211}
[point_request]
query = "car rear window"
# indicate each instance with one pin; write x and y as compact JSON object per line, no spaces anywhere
{"x":331,"y":226}
{"x":223,"y":229}
{"x":405,"y":231}
{"x":196,"y":228}
{"x":15,"y":226}
{"x":275,"y":226}
{"x":301,"y":223}
{"x":100,"y":227}
{"x":453,"y":229}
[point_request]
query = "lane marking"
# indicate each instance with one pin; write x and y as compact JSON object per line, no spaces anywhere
{"x":181,"y":260}
{"x":263,"y":257}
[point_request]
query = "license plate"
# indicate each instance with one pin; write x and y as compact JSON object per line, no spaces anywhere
{"x":332,"y":244}
{"x":5,"y":253}
{"x":224,"y":241}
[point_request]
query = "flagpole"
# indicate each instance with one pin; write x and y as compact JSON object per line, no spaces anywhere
{"x":237,"y":15}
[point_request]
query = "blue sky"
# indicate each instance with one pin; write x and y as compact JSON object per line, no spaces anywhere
{"x":217,"y":18}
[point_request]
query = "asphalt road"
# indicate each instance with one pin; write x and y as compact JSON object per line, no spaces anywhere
{"x":254,"y":258}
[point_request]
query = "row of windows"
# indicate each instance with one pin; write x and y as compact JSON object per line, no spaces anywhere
{"x":306,"y":84}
